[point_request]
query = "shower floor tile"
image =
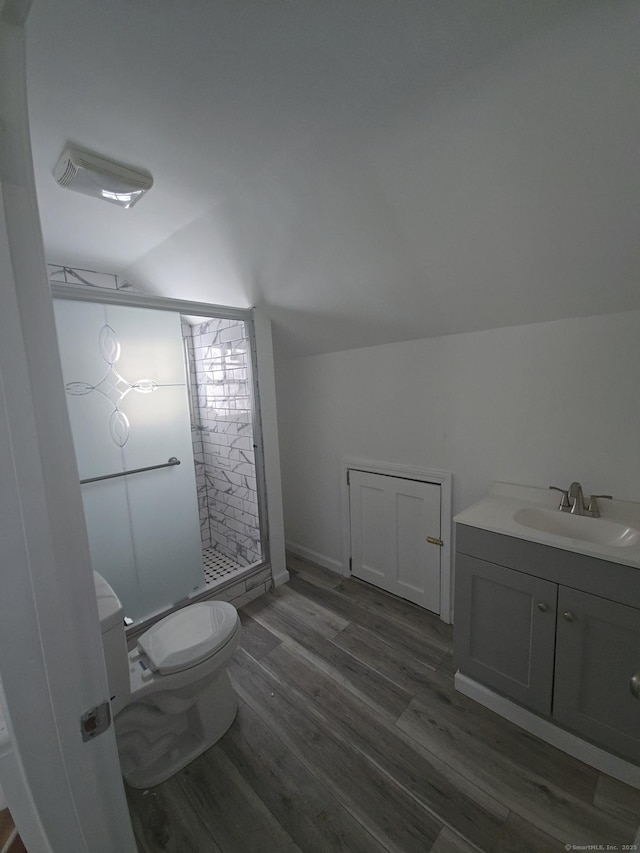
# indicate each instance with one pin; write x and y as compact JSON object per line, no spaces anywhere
{"x":218,"y":567}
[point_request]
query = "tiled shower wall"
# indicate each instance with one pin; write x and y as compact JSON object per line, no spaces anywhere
{"x":222,"y":432}
{"x":196,"y":438}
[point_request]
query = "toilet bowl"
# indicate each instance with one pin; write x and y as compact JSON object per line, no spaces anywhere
{"x":171,"y":697}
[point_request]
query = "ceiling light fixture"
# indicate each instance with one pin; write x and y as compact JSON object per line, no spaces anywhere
{"x":100,"y":178}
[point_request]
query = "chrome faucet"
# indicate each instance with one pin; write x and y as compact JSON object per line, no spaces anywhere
{"x":573,"y":501}
{"x":564,"y":506}
{"x":576,"y":499}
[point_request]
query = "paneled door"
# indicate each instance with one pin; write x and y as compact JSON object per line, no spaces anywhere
{"x":390,"y":520}
{"x":126,"y":392}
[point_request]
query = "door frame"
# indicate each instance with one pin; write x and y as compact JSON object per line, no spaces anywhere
{"x":444,"y":479}
{"x":64,"y":793}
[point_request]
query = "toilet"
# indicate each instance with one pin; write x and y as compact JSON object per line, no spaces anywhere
{"x":171,"y":697}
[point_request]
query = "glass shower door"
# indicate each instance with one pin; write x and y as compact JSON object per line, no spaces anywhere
{"x":126,"y":392}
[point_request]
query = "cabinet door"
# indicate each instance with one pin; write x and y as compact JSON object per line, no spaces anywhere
{"x":505,"y":630}
{"x":598,"y":653}
{"x":390,"y":520}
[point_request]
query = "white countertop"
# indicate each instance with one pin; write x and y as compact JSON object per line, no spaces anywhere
{"x":496,"y":511}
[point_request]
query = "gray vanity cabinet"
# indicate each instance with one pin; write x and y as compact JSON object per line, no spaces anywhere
{"x":505,"y":630}
{"x":555,"y":631}
{"x":598,"y":652}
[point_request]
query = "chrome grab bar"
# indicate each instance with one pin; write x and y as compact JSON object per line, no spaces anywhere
{"x":172,"y":461}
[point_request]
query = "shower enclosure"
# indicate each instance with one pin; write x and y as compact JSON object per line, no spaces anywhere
{"x":217,"y":356}
{"x":167,"y":434}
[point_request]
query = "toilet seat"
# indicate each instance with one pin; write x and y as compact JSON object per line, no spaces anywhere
{"x":189,"y":636}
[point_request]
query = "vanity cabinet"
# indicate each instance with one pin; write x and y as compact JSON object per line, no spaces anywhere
{"x":597,"y":655}
{"x":554,"y":631}
{"x":505,"y":630}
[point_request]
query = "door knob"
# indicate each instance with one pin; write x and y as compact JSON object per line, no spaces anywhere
{"x":543,"y":606}
{"x":569,"y":616}
{"x":634,"y":685}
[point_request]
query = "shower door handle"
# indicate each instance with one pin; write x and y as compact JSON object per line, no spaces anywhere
{"x":172,"y":461}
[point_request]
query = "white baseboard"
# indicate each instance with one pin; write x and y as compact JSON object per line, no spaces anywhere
{"x":280,"y":578}
{"x":620,"y":769}
{"x":315,"y":557}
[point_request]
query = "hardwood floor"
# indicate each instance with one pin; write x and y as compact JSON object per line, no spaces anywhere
{"x":351,"y":737}
{"x":10,"y":841}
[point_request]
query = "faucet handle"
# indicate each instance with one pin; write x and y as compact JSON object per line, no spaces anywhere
{"x":593,"y":507}
{"x":564,"y":500}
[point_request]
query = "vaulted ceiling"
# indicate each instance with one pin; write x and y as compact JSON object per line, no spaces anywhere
{"x":366,"y":171}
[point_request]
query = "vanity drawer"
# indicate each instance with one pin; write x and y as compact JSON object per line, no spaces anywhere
{"x":598,"y":577}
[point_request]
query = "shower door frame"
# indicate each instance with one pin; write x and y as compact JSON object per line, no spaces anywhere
{"x":205,"y":310}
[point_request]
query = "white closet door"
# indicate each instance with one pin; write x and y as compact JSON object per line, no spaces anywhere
{"x":391,"y":518}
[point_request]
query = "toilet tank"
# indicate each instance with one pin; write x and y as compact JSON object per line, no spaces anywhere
{"x":114,"y":643}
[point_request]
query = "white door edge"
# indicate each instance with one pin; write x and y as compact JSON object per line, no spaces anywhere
{"x":427,"y":475}
{"x":65,"y":794}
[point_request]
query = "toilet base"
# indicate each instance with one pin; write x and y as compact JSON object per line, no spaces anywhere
{"x":154,"y":744}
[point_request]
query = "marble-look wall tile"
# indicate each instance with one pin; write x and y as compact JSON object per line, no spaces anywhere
{"x":245,"y":591}
{"x":199,"y":457}
{"x":223,"y":398}
{"x":202,"y":489}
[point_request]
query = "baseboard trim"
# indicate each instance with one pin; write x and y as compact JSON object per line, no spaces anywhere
{"x":280,"y":578}
{"x":620,"y":769}
{"x":315,"y":557}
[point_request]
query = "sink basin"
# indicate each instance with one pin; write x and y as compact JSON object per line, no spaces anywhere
{"x":596,"y":530}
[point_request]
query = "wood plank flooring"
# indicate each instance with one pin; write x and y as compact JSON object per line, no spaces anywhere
{"x":7,"y":833}
{"x":351,"y":737}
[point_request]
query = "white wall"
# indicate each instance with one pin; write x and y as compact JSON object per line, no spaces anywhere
{"x":540,"y":404}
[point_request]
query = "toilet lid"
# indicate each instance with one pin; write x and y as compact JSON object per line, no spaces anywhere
{"x":189,"y":636}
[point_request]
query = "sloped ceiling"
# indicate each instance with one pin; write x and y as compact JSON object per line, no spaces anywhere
{"x":367,"y":171}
